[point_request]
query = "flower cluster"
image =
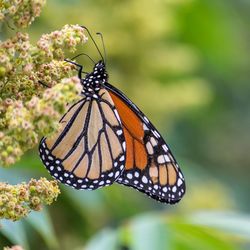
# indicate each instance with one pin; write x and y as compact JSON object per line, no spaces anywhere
{"x":26,"y":121}
{"x":28,"y":109}
{"x":52,"y":45}
{"x":23,"y":65}
{"x":21,"y":12}
{"x":35,"y":86}
{"x":16,"y":201}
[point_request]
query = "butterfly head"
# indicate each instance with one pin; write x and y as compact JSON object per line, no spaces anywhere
{"x":97,"y":78}
{"x":100,"y":66}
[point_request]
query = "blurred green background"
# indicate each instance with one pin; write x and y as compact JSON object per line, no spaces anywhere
{"x":186,"y":64}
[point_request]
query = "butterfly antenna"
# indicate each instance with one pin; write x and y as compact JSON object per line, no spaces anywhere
{"x":91,"y":37}
{"x":103,"y":46}
{"x":83,"y":54}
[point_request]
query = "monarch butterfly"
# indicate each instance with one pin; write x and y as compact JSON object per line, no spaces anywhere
{"x":105,"y":138}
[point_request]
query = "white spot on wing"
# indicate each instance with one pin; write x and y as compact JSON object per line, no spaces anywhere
{"x":149,"y":148}
{"x":111,"y":174}
{"x":146,"y":119}
{"x":181,"y":176}
{"x":117,"y":174}
{"x":144,"y":179}
{"x":145,"y":126}
{"x":161,"y":159}
{"x":179,"y":182}
{"x":167,"y":159}
{"x":117,"y":115}
{"x":119,"y":132}
{"x":129,"y":176}
{"x":165,"y":148}
{"x":153,"y":141}
{"x":157,"y":134}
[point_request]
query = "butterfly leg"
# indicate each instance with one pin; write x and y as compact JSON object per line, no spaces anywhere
{"x":78,"y":65}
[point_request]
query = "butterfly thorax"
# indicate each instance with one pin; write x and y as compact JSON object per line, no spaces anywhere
{"x":95,"y":80}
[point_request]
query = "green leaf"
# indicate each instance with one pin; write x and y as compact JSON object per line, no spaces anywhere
{"x":106,"y":239}
{"x":41,"y":222}
{"x":235,"y":223}
{"x":15,"y":232}
{"x":194,"y":237}
{"x":149,"y":232}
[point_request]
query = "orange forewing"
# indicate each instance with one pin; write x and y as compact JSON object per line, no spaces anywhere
{"x":136,"y":155}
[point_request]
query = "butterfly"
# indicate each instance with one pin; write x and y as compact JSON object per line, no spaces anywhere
{"x":105,"y":138}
